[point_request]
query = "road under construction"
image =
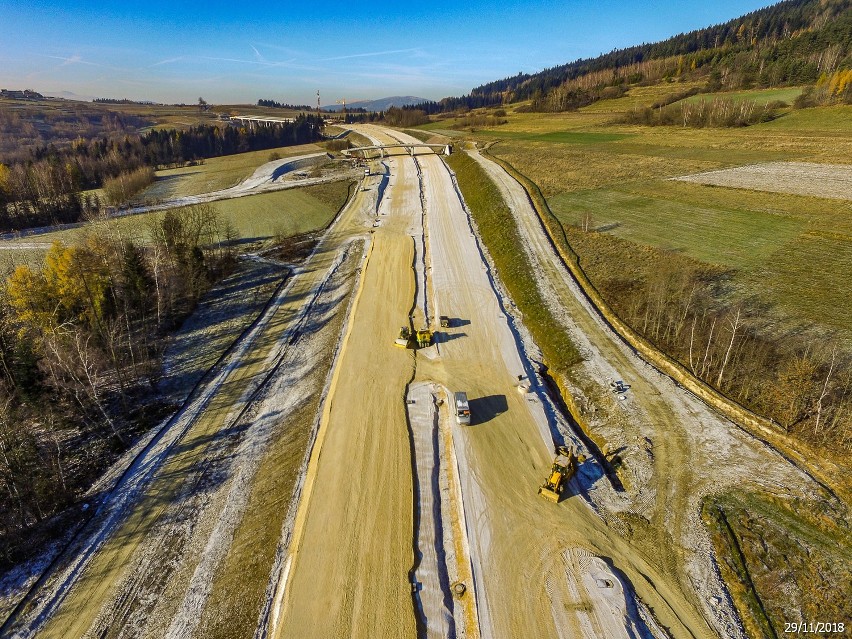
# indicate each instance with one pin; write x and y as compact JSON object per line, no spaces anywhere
{"x":319,"y":482}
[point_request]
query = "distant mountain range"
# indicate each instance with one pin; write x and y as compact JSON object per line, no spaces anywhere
{"x":69,"y":95}
{"x":382,"y":104}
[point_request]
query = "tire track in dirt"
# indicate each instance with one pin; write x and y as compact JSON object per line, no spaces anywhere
{"x":491,"y":499}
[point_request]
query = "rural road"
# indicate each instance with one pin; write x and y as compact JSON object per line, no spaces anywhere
{"x":317,"y":484}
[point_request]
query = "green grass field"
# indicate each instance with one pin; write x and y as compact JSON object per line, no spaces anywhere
{"x":792,"y":252}
{"x":215,"y":174}
{"x":581,"y":138}
{"x":638,"y":97}
{"x":289,"y":212}
{"x":760,"y":97}
{"x":728,"y":236}
{"x":255,"y":217}
{"x":834,"y":122}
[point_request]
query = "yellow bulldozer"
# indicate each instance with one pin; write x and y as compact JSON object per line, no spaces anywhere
{"x":404,"y":339}
{"x":563,"y":468}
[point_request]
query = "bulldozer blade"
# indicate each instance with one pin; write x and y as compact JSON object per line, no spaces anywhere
{"x":549,"y":495}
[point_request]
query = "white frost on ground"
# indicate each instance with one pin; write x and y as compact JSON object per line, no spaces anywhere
{"x":285,"y":393}
{"x":112,"y":511}
{"x":143,"y":462}
{"x":799,"y":178}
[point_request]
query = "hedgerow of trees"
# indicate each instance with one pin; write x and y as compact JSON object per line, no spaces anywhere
{"x":279,"y":105}
{"x":718,"y":112}
{"x":396,"y":116}
{"x":802,"y":383}
{"x":121,"y":189}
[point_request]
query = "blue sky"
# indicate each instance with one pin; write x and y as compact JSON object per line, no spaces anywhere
{"x":237,"y":52}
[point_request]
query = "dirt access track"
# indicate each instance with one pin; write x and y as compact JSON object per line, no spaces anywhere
{"x":318,"y":485}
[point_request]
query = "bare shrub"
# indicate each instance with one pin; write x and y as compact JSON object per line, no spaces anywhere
{"x":121,"y":189}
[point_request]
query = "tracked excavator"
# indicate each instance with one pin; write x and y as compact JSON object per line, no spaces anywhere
{"x":563,"y":468}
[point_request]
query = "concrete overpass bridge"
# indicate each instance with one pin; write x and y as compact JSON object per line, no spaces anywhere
{"x":253,"y":121}
{"x":446,"y":149}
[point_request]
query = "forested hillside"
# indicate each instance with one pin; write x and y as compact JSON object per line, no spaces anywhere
{"x":28,"y":126}
{"x":796,"y":42}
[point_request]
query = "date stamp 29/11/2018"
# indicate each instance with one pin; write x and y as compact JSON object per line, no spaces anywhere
{"x":815,"y":627}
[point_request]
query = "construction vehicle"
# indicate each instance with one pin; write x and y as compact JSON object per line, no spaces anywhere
{"x":424,"y":338}
{"x":619,"y":386}
{"x":409,"y":338}
{"x":404,"y":338}
{"x":445,"y":321}
{"x":563,"y":468}
{"x":462,"y":408}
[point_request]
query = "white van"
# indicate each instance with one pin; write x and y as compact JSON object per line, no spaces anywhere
{"x":462,"y":408}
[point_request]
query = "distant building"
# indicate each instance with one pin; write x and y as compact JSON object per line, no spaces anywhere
{"x":26,"y":94}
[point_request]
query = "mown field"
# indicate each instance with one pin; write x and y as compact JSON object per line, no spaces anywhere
{"x":759,"y":97}
{"x":254,"y":218}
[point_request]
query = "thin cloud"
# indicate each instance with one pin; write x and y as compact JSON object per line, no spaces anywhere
{"x":288,"y":50}
{"x":260,"y":58}
{"x":370,"y":54}
{"x":167,"y":61}
{"x":287,"y":64}
{"x":73,"y":59}
{"x":76,"y":59}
